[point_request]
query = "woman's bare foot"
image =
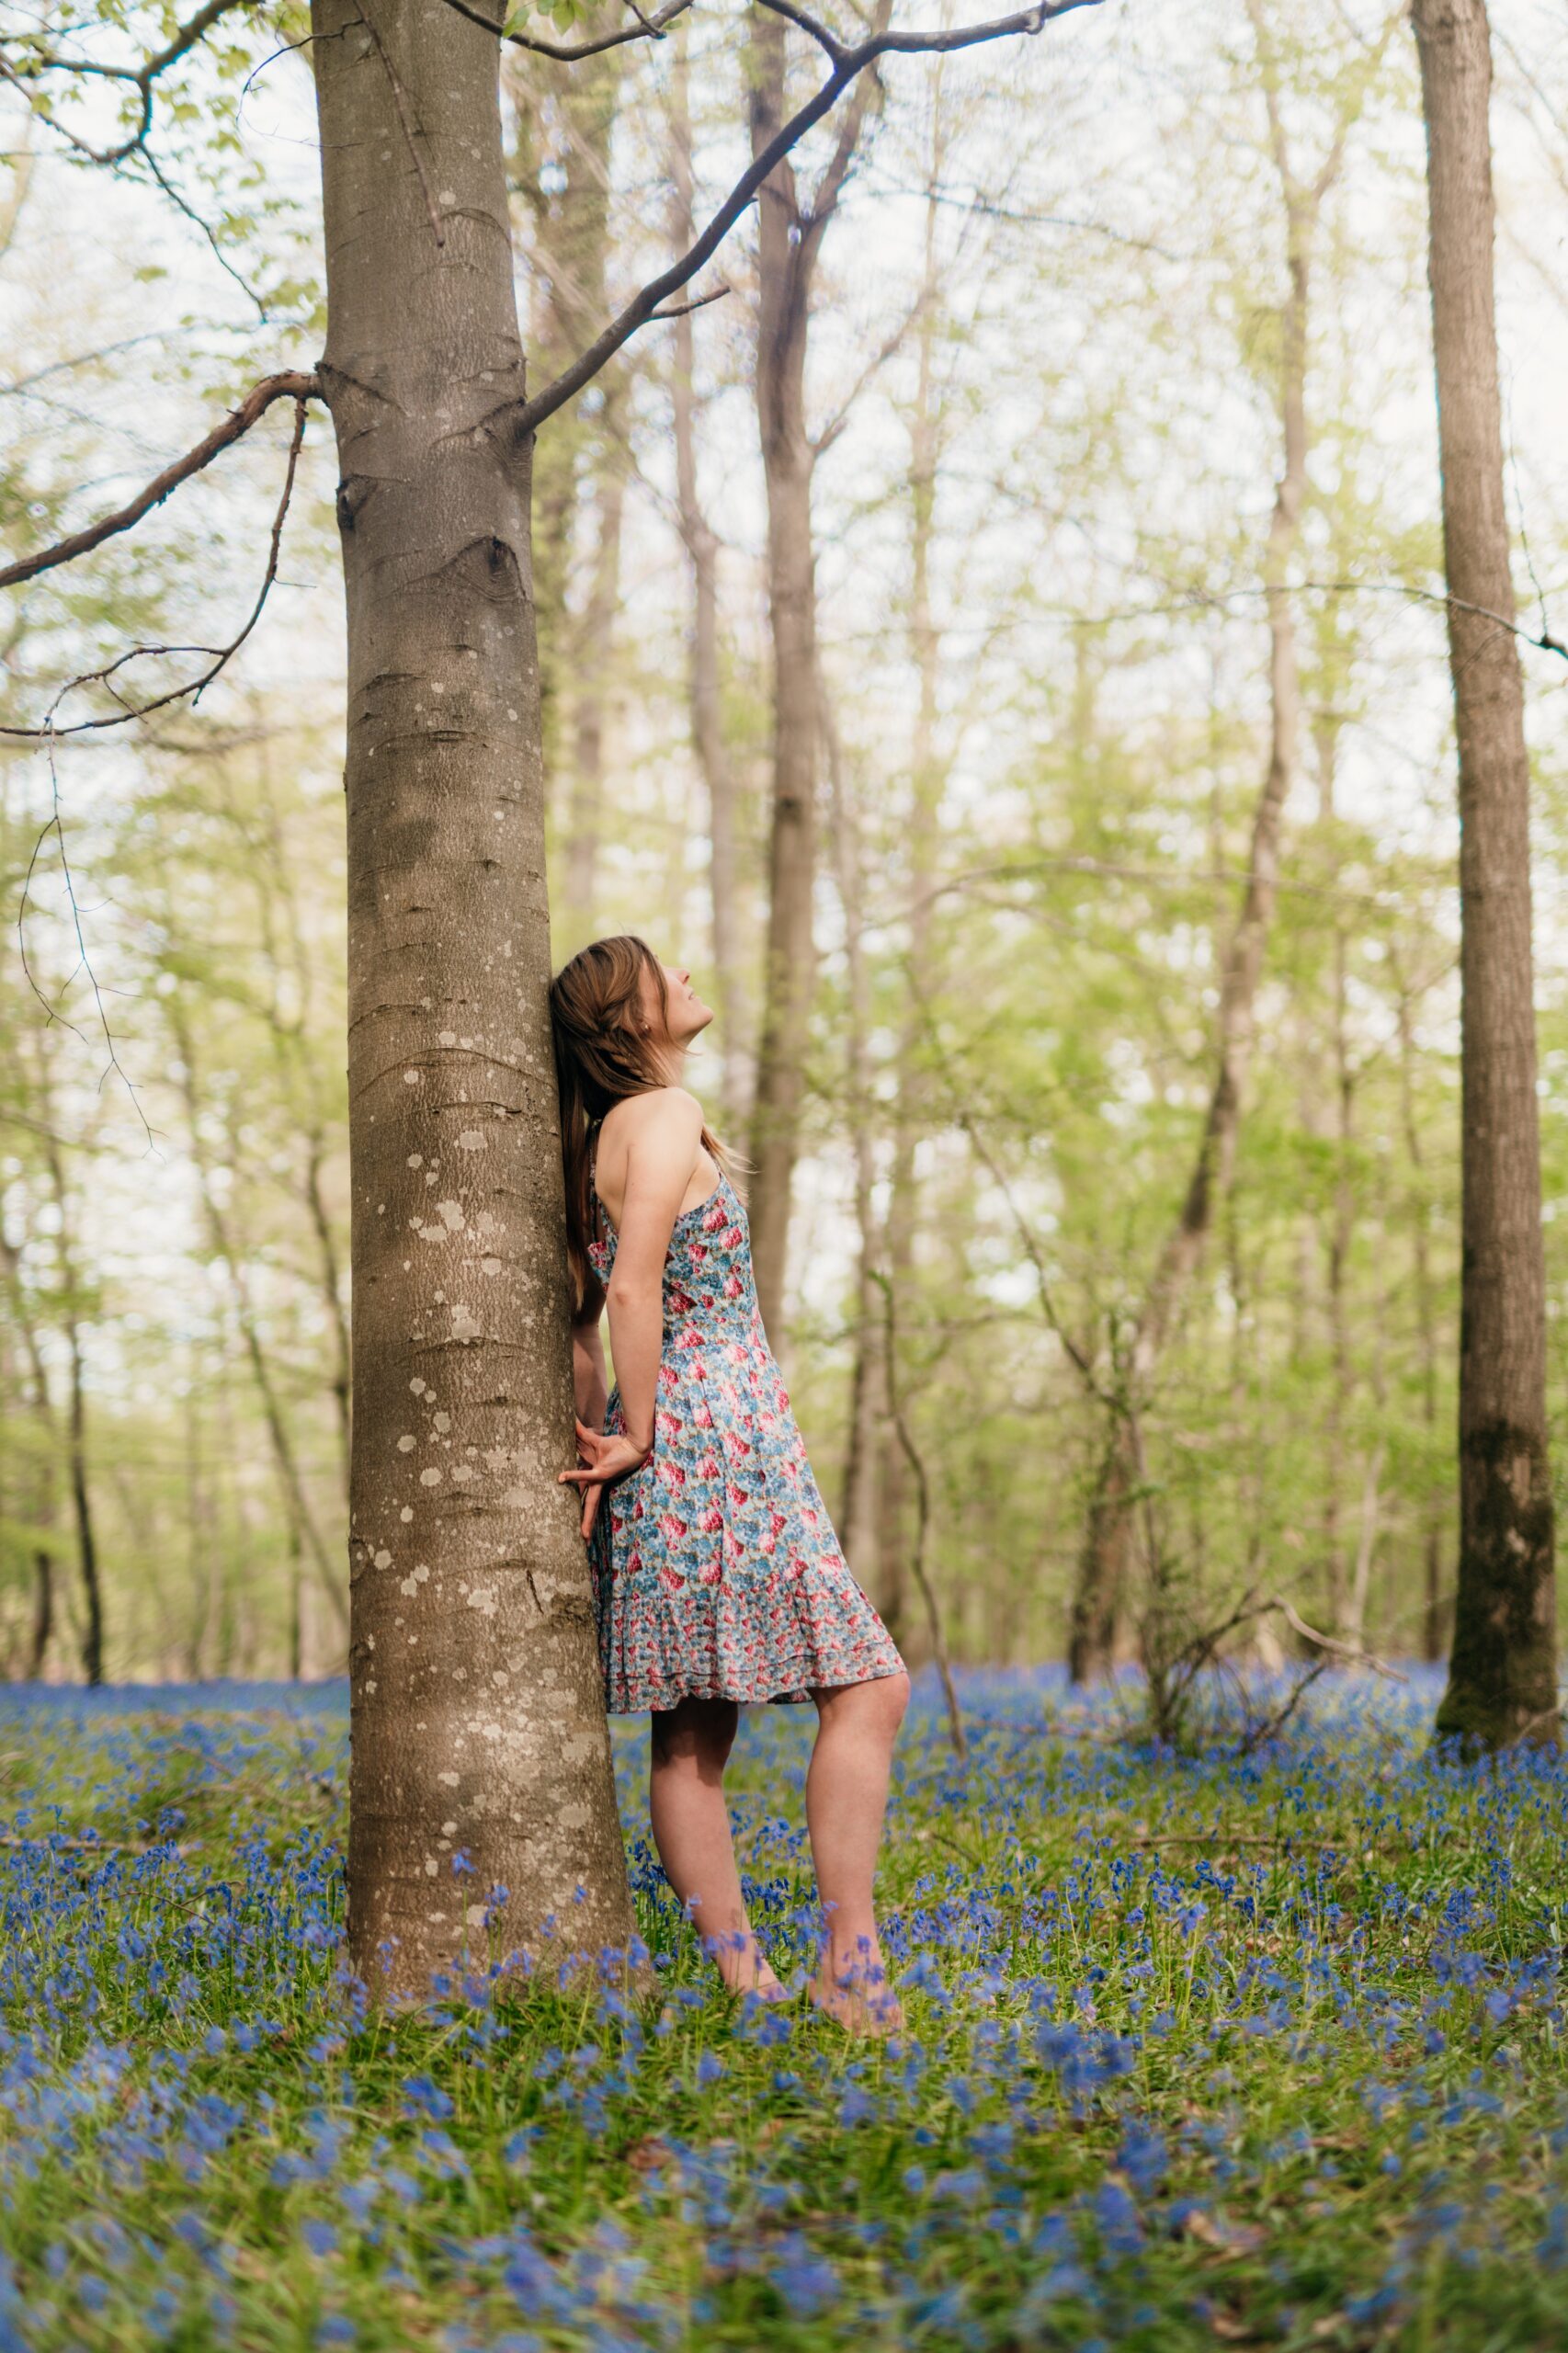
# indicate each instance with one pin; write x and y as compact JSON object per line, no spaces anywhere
{"x":861,"y":2001}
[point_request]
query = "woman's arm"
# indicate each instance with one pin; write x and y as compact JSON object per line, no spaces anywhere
{"x":665,"y":1139}
{"x":589,"y":1387}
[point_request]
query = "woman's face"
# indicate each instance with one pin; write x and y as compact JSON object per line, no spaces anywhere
{"x":686,"y":1013}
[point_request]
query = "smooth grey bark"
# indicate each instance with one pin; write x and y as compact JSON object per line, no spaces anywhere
{"x":44,"y":1500}
{"x":478,"y":1716}
{"x":593,"y":646}
{"x":1503,"y":1666}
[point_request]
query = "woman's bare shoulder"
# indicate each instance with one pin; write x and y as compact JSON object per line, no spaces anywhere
{"x":657,"y":1111}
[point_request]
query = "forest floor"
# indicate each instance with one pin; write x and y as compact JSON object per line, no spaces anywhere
{"x":1199,"y":2051}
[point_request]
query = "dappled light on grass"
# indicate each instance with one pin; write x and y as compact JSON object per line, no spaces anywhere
{"x":1199,"y":2050}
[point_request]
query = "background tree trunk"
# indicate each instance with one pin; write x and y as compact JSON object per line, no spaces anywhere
{"x":706,"y":718}
{"x":1503,"y":1666}
{"x":477,"y":1717}
{"x":1099,"y":1597}
{"x":789,"y":236}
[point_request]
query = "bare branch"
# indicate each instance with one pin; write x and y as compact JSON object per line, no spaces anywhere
{"x":684,"y":309}
{"x":567,"y":52}
{"x":220,"y":654}
{"x":852,"y":62}
{"x":293,"y":384}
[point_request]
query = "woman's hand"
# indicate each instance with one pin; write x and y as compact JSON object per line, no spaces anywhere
{"x":603,"y":1457}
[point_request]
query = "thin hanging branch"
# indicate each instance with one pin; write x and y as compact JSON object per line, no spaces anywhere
{"x":848,"y":64}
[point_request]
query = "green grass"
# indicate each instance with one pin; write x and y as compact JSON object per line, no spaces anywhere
{"x":1199,"y":2051}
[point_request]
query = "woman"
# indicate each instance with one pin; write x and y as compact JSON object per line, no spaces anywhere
{"x":717,"y":1578}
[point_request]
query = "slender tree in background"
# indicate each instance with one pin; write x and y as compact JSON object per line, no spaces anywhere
{"x":790,"y":230}
{"x":701,"y":543}
{"x":1100,"y":1597}
{"x":1502,"y":1666}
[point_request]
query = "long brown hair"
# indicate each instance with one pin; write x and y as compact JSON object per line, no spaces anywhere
{"x":602,"y":1055}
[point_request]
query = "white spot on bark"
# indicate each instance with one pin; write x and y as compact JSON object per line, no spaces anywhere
{"x":462,"y":1473}
{"x":431,"y":1866}
{"x":447,"y":1781}
{"x":411,"y":1078}
{"x":490,"y":1266}
{"x":465,"y":1324}
{"x":383,"y":1559}
{"x":447,"y":1038}
{"x":417,"y":1386}
{"x":472,"y":1139}
{"x":429,"y":1478}
{"x":406,"y":1514}
{"x":422,"y":1572}
{"x":407,"y":1443}
{"x":451,"y":1216}
{"x":415,"y":1160}
{"x":447,"y":1829}
{"x":483,"y":1597}
{"x":475,"y":1915}
{"x":443,"y":1423}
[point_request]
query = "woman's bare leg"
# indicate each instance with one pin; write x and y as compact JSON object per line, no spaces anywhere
{"x":691,"y":1830}
{"x":847,"y":1796}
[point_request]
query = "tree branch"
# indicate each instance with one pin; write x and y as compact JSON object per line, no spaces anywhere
{"x":292,"y":385}
{"x":220,"y":654}
{"x":567,"y":52}
{"x":850,"y":63}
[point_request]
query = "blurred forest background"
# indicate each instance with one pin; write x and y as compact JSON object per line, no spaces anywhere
{"x":1117,"y":449}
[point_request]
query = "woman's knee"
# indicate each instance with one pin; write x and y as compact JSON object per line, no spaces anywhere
{"x":697,"y":1734}
{"x":877,"y":1707}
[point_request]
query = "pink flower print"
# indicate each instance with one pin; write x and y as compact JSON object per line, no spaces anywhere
{"x":670,"y":1474}
{"x":668,"y":1427}
{"x":671,"y":1528}
{"x":730,"y":1238}
{"x":704,"y":1416}
{"x":732,"y":1287}
{"x":715,"y":1218}
{"x":711,"y":1521}
{"x":737,"y":1496}
{"x":671,"y":1582}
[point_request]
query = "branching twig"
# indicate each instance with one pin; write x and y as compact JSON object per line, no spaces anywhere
{"x":33,"y":63}
{"x":293,"y":384}
{"x":567,"y":52}
{"x":222,"y":654}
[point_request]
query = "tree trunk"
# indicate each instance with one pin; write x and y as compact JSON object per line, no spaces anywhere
{"x":585,"y":815}
{"x":565,"y":119}
{"x":707,"y":722}
{"x":478,"y":1728}
{"x":1503,"y":1666}
{"x":75,"y":1403}
{"x":858,"y":1517}
{"x":44,"y":1501}
{"x":788,"y":460}
{"x":1103,"y":1564}
{"x":789,"y":236}
{"x":927,"y":780}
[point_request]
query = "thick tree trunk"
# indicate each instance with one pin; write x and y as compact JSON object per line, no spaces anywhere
{"x":1103,"y":1564}
{"x":703,"y":686}
{"x":44,"y":1501}
{"x":481,"y":1753}
{"x":1503,"y":1667}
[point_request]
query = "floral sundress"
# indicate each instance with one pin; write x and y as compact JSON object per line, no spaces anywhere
{"x":716,"y":1572}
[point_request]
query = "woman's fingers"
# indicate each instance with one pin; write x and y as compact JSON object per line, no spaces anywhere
{"x":590,"y":1510}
